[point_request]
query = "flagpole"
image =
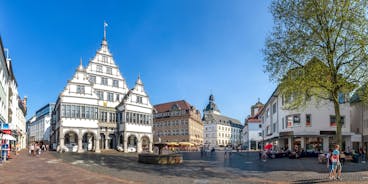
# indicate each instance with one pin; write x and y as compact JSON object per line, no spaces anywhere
{"x":105,"y":25}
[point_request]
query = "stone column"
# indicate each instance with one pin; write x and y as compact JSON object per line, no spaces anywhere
{"x":150,"y":146}
{"x":125,"y":145}
{"x":61,"y":141}
{"x":302,"y":143}
{"x":80,"y":147}
{"x":117,"y":140}
{"x":97,"y":145}
{"x":139,"y":146}
{"x":106,"y":142}
{"x":290,"y":142}
{"x":325,"y":144}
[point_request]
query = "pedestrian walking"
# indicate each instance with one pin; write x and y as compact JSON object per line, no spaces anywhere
{"x":32,"y":148}
{"x":264,"y":156}
{"x":329,"y":164}
{"x":336,"y":164}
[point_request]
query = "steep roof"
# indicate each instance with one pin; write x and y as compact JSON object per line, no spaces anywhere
{"x":165,"y":107}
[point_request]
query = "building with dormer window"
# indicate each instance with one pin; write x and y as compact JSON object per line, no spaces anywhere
{"x":178,"y":122}
{"x":90,"y":113}
{"x":220,"y":130}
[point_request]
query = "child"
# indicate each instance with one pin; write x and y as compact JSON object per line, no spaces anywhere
{"x":329,"y":163}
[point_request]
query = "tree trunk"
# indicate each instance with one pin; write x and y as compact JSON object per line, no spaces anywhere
{"x":338,"y":122}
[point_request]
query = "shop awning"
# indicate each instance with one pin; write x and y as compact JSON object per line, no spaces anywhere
{"x":172,"y":143}
{"x":8,"y":137}
{"x":186,"y":144}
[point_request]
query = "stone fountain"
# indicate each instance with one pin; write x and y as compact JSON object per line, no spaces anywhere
{"x":160,"y":158}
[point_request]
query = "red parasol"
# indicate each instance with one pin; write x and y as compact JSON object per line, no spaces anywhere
{"x":268,"y":146}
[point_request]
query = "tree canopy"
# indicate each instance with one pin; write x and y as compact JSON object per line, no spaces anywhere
{"x":325,"y":41}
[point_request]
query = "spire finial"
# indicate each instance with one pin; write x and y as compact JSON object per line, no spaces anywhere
{"x":259,"y":99}
{"x":80,"y":67}
{"x":139,"y":81}
{"x":105,"y":25}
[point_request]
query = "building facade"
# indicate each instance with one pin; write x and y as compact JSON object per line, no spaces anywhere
{"x":13,"y":109}
{"x":359,"y":121}
{"x":135,"y":120}
{"x":4,"y":85}
{"x":39,"y":125}
{"x":311,"y":127}
{"x":178,"y":122}
{"x":89,"y":112}
{"x":220,"y":130}
{"x":252,"y":131}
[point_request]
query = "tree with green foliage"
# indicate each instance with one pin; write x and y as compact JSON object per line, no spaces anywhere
{"x":319,"y":49}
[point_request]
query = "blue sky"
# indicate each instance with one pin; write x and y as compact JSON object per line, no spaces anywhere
{"x":183,"y":49}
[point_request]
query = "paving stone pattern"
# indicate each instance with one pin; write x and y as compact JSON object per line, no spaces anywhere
{"x":115,"y":167}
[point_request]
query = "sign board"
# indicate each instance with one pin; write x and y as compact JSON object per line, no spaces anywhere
{"x":4,"y":126}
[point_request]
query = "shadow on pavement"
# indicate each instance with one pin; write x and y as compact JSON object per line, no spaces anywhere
{"x":197,"y":166}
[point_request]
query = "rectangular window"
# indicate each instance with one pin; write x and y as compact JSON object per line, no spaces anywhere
{"x":83,"y":112}
{"x":274,"y":108}
{"x":104,"y":81}
{"x":308,"y":121}
{"x":87,"y":112}
{"x":80,"y":89}
{"x":110,"y":97}
{"x":117,"y":97}
{"x":296,"y":119}
{"x":99,"y":68}
{"x":62,"y":110}
{"x":96,"y":113}
{"x":100,"y":94}
{"x":333,"y":120}
{"x":109,"y":70}
{"x":77,"y":111}
{"x":282,"y":122}
{"x":92,"y":79}
{"x":289,"y":121}
{"x":115,"y":83}
{"x":68,"y":111}
{"x":139,"y":99}
{"x":104,"y":59}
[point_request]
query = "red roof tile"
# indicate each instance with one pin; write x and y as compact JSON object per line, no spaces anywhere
{"x":165,"y":107}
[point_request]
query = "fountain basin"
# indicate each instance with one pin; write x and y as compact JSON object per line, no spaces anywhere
{"x":169,"y":159}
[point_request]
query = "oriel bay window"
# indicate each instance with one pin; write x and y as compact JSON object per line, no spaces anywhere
{"x":78,"y":111}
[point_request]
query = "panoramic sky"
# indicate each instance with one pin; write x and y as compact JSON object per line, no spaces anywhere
{"x":183,"y":49}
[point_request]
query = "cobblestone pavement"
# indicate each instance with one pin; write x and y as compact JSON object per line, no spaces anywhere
{"x":197,"y":168}
{"x":114,"y":167}
{"x":47,"y":169}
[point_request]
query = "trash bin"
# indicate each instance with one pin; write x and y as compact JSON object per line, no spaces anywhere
{"x":355,"y":158}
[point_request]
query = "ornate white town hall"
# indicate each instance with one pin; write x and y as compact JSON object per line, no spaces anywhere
{"x":97,"y":111}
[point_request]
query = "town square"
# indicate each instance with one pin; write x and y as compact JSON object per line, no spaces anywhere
{"x":184,"y":91}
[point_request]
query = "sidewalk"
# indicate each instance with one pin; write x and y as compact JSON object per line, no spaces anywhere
{"x":47,"y":169}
